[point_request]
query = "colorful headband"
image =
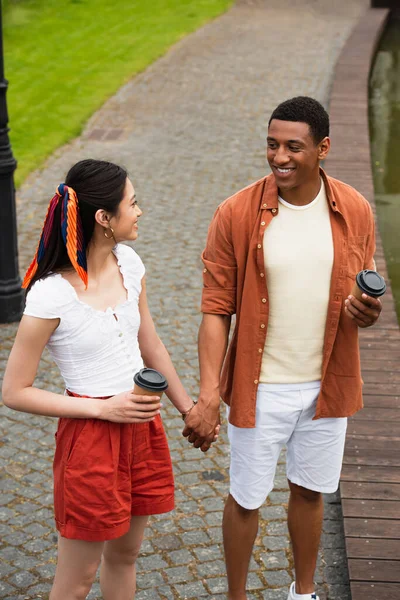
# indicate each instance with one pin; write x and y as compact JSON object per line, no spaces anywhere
{"x":71,"y":231}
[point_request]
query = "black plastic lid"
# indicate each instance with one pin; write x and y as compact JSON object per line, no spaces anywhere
{"x":371,"y":283}
{"x":150,"y":379}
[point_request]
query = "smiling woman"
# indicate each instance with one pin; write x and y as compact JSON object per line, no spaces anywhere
{"x":86,"y":301}
{"x":65,"y":59}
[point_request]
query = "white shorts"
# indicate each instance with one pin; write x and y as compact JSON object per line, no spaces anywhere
{"x":284,"y":414}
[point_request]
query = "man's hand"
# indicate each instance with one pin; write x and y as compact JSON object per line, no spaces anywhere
{"x":202,"y":424}
{"x":364,"y":313}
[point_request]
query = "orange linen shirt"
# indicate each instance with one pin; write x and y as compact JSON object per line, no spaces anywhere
{"x":234,"y":282}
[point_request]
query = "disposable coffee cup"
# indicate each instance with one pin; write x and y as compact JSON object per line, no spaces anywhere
{"x":370,"y":283}
{"x":149,"y":382}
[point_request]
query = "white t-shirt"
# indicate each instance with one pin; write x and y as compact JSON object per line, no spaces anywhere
{"x":298,"y":257}
{"x":97,"y":354}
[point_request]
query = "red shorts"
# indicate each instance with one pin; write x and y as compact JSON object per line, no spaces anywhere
{"x":105,"y":472}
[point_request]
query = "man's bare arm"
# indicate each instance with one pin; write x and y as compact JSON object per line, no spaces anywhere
{"x":201,"y":422}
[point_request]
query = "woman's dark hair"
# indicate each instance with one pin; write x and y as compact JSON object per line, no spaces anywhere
{"x":98,"y":185}
{"x":305,"y":110}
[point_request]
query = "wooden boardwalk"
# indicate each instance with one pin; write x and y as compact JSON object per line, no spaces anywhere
{"x":370,"y":483}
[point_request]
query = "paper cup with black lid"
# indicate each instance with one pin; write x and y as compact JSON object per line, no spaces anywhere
{"x":149,"y":382}
{"x":370,"y":283}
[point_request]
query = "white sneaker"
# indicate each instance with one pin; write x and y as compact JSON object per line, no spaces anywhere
{"x":292,"y":592}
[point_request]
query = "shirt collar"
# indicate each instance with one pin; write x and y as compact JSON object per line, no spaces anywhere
{"x":333,"y":199}
{"x":269,"y":197}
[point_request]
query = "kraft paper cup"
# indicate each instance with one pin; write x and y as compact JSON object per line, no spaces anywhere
{"x":149,"y":382}
{"x":370,"y":283}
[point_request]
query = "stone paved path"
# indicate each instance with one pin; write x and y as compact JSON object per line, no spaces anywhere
{"x":191,"y":131}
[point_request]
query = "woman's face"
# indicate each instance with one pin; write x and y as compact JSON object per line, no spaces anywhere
{"x":125,"y":222}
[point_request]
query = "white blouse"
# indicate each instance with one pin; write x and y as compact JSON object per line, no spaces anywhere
{"x":96,"y":351}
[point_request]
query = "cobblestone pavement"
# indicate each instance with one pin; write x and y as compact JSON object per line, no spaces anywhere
{"x":191,"y":130}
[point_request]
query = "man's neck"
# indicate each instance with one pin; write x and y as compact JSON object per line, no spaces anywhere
{"x":302,"y":195}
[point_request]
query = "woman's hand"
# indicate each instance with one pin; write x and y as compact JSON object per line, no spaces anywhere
{"x":128,"y":407}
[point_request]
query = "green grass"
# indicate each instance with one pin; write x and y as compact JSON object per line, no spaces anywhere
{"x":64,"y":58}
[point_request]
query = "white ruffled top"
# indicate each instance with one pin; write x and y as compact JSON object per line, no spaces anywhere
{"x":96,"y":351}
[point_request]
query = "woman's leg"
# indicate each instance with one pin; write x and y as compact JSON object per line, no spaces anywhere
{"x":118,"y":565}
{"x":77,"y":564}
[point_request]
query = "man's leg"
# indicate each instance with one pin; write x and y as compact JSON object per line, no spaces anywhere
{"x":314,"y":460}
{"x":239,"y":527}
{"x":306,"y":510}
{"x":254,"y":456}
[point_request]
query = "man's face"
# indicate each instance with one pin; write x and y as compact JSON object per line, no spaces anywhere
{"x":292,"y":153}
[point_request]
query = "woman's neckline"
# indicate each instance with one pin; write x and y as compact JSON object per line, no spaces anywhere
{"x":109,"y":309}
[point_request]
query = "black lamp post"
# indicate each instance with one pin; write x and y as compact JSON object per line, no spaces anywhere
{"x":11,"y":294}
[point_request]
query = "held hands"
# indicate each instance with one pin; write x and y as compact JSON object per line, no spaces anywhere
{"x":202,"y":423}
{"x":128,"y":407}
{"x":364,"y":313}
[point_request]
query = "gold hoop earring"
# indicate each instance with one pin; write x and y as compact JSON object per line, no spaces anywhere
{"x":109,"y":237}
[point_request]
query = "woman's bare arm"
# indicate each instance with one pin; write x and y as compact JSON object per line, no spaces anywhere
{"x":155,"y":356}
{"x":19,"y":393}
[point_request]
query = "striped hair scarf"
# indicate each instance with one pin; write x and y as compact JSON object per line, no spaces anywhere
{"x":71,"y":231}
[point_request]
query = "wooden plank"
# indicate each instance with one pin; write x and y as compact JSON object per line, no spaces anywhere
{"x":386,"y":389}
{"x":374,"y":591}
{"x":380,"y":428}
{"x":386,"y":338}
{"x":378,"y":377}
{"x":380,"y":363}
{"x":369,"y":362}
{"x":375,"y":509}
{"x":371,"y":442}
{"x":374,"y":491}
{"x":374,"y":548}
{"x":372,"y":528}
{"x":389,"y":336}
{"x":371,"y":474}
{"x":386,"y":333}
{"x":372,"y":457}
{"x":388,"y":341}
{"x":369,"y":333}
{"x":378,"y":414}
{"x":382,"y":347}
{"x":374,"y":400}
{"x":385,"y":571}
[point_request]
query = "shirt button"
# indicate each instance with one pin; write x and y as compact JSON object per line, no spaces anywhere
{"x":264,"y":206}
{"x":273,"y":210}
{"x":258,"y":245}
{"x":262,"y":326}
{"x":261,"y":274}
{"x":260,"y":350}
{"x":263,"y":223}
{"x":264,"y":300}
{"x":256,"y":381}
{"x":204,"y":270}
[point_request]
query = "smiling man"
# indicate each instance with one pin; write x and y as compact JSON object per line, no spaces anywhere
{"x":282,"y":255}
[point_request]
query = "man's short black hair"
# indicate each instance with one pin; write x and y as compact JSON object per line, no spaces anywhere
{"x":305,"y":110}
